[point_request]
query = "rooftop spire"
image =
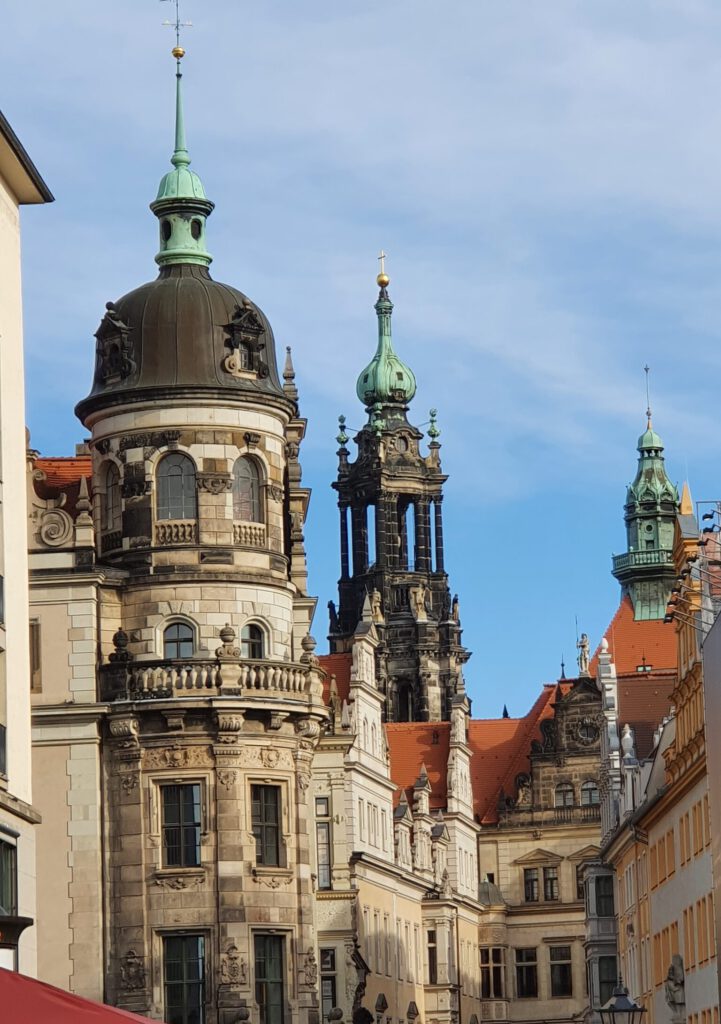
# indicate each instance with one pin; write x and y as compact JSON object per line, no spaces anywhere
{"x":386,"y":379}
{"x":181,"y":204}
{"x":647,"y":370}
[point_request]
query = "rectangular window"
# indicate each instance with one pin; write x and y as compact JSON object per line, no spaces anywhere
{"x":327,"y":982}
{"x":8,"y":880}
{"x":530,"y":885}
{"x":607,"y":978}
{"x":550,"y":883}
{"x":181,"y":825}
{"x":269,"y":978}
{"x":561,"y":971}
{"x":492,"y":973}
{"x":604,"y":896}
{"x":36,"y":683}
{"x":432,"y":958}
{"x":265,"y":811}
{"x":526,"y":973}
{"x":322,"y":841}
{"x":184,"y":979}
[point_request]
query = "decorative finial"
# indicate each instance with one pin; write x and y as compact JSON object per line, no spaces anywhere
{"x":433,"y":431}
{"x":289,"y":375}
{"x":647,"y":370}
{"x":383,"y":280}
{"x":342,"y":437}
{"x":177,"y":51}
{"x":563,"y":668}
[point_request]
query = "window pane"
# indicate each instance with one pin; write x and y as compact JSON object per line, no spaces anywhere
{"x":530,"y":883}
{"x":269,"y":978}
{"x":589,"y":794}
{"x":178,"y":640}
{"x":265,"y":812}
{"x":604,"y":896}
{"x":550,"y":883}
{"x":176,"y":497}
{"x":181,"y":824}
{"x":606,"y":977}
{"x":526,"y":973}
{"x":184,"y":979}
{"x":322,"y":830}
{"x":8,"y":880}
{"x":251,"y":643}
{"x":246,"y":491}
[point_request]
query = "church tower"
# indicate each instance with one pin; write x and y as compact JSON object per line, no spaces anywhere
{"x":646,"y":571}
{"x":391,"y":538}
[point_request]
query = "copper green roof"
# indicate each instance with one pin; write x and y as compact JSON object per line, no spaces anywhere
{"x":386,"y":379}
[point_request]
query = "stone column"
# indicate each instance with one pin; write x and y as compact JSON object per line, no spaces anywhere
{"x":344,"y":561}
{"x":438,"y":523}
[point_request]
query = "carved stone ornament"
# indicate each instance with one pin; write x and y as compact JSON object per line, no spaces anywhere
{"x":275,"y":492}
{"x":114,"y":348}
{"x":156,"y":439}
{"x":125,"y":729}
{"x":179,"y":883}
{"x":177,"y":757}
{"x":129,"y":783}
{"x":132,"y":972}
{"x":310,"y":968}
{"x":214,"y":483}
{"x":303,"y":781}
{"x":233,"y":968}
{"x":272,"y":881}
{"x":246,"y":341}
{"x":270,"y":756}
{"x":230,"y":723}
{"x":56,"y":528}
{"x":227,"y":777}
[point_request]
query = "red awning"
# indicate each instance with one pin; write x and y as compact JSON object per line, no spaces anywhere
{"x":26,"y":1001}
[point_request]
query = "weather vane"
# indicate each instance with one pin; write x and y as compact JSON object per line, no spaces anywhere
{"x":647,"y":370}
{"x":177,"y":25}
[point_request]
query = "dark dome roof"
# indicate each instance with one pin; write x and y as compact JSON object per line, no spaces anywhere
{"x":175,"y":335}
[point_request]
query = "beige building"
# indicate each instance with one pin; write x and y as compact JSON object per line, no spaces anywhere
{"x":20,"y":184}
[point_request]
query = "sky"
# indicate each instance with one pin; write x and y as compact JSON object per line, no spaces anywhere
{"x":546,"y":181}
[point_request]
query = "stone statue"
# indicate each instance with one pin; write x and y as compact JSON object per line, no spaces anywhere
{"x":675,"y":990}
{"x":376,"y":607}
{"x":332,"y":617}
{"x":418,"y":602}
{"x":310,"y":968}
{"x":583,"y":654}
{"x":455,"y":609}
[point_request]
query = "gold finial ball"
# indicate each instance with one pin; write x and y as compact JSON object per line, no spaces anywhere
{"x":178,"y":52}
{"x":383,"y":280}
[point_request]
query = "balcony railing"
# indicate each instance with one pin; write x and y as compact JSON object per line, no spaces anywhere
{"x":163,"y":679}
{"x":523,"y":816}
{"x":176,"y":531}
{"x":633,"y":559}
{"x":250,"y":534}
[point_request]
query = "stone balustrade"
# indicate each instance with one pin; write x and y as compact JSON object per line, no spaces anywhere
{"x":130,"y":680}
{"x":176,"y":531}
{"x":249,"y":534}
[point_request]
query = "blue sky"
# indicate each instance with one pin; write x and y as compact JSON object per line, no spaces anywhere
{"x":546,"y":179}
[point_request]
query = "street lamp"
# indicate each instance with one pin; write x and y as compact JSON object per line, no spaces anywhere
{"x":620,"y":1009}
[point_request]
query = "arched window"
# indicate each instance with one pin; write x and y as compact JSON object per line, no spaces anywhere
{"x":247,"y":503}
{"x":589,"y":794}
{"x":405,"y":702}
{"x":251,"y":642}
{"x":111,"y":517}
{"x":178,"y":640}
{"x":177,"y":498}
{"x":564,"y":795}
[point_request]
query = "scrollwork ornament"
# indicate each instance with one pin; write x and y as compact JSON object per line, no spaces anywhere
{"x":132,"y":972}
{"x":56,"y":528}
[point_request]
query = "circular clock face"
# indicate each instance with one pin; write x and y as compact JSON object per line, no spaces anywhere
{"x":587,"y":732}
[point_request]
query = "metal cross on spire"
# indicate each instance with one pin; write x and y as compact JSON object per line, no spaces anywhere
{"x":177,"y":24}
{"x":647,"y":370}
{"x":382,"y":260}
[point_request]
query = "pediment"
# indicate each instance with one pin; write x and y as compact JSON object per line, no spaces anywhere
{"x":587,"y":853}
{"x":538,"y":856}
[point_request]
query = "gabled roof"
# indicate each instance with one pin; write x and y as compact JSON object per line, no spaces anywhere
{"x":644,"y":700}
{"x":18,"y":170}
{"x":631,"y":640}
{"x":412,"y":744}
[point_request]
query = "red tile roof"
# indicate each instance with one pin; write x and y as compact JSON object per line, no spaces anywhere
{"x":63,"y":475}
{"x":631,"y":640}
{"x":413,"y":744}
{"x":643,"y":701}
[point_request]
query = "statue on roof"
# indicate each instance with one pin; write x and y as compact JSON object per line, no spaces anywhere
{"x":583,"y":654}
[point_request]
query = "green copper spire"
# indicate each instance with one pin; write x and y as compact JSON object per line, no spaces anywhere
{"x":386,"y":379}
{"x":181,"y":205}
{"x":646,"y":572}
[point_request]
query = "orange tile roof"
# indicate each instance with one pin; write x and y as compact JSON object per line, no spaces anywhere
{"x":338,"y":665}
{"x":63,"y":475}
{"x":643,"y":701}
{"x":413,"y":744}
{"x":631,"y":640}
